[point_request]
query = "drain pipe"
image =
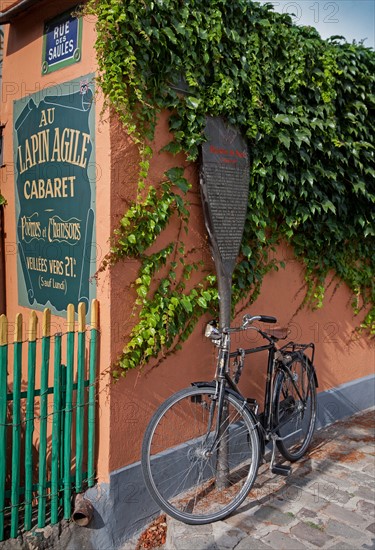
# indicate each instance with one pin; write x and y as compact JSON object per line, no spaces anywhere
{"x":2,"y":263}
{"x":83,"y":511}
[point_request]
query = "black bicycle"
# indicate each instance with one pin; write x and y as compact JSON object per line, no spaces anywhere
{"x":203,"y":446}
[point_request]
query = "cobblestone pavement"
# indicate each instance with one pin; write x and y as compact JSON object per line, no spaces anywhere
{"x":328,"y":501}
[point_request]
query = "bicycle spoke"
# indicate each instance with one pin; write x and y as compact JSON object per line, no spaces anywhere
{"x":295,"y":408}
{"x":186,"y":485}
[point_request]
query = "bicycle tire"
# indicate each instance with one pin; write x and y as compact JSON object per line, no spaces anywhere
{"x":182,"y":480}
{"x":297,"y":416}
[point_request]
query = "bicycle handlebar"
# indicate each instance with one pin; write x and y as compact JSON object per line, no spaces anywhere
{"x":267,"y":319}
{"x":247,"y":319}
{"x":214,"y":333}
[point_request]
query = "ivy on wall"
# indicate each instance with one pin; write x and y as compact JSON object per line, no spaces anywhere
{"x":306,"y":106}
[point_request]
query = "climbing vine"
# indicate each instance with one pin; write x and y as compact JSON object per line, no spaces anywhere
{"x":306,"y":106}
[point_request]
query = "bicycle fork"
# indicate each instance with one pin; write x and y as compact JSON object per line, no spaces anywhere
{"x":220,"y":440}
{"x":221,"y":435}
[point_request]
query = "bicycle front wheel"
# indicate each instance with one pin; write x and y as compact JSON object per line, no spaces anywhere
{"x":195,"y":475}
{"x":295,"y":406}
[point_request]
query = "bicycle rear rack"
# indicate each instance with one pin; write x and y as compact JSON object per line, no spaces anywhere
{"x":293,"y":346}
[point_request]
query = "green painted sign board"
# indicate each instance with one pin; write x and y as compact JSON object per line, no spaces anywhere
{"x":54,"y":152}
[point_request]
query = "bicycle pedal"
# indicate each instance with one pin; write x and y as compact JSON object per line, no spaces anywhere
{"x":281,"y":470}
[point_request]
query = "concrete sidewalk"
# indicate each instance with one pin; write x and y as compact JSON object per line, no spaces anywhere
{"x":327,"y":502}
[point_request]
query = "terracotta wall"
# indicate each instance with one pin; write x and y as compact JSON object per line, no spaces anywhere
{"x":22,"y":77}
{"x":341,"y":355}
{"x":133,"y":399}
{"x":126,"y":406}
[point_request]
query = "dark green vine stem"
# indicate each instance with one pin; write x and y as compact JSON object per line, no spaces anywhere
{"x":307,"y":108}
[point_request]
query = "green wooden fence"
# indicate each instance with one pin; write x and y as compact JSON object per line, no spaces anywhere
{"x":47,"y":434}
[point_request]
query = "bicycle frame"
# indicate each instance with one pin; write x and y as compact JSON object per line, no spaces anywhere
{"x":223,"y":379}
{"x":219,"y":453}
{"x":265,"y":418}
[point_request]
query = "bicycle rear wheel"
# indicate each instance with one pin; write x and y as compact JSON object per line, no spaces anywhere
{"x":181,"y":461}
{"x":294,"y":406}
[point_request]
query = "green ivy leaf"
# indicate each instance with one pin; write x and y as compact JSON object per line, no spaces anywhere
{"x":305,"y":105}
{"x":172,"y":37}
{"x":186,"y":303}
{"x":192,"y":102}
{"x":202,"y":302}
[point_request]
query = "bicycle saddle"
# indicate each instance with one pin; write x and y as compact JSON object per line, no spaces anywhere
{"x":278,"y":333}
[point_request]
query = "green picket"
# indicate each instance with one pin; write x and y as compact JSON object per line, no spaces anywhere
{"x":48,"y":492}
{"x":80,"y":395}
{"x":56,"y":430}
{"x":91,"y":399}
{"x":3,"y":414}
{"x":16,"y":426}
{"x":42,"y":485}
{"x":62,"y":428}
{"x":68,"y":410}
{"x":29,"y":424}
